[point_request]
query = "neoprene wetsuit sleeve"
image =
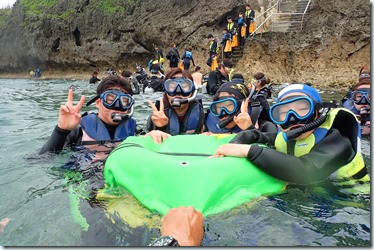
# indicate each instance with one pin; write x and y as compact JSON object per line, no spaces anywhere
{"x":212,"y":83}
{"x":254,"y":136}
{"x":331,"y":153}
{"x":59,"y":138}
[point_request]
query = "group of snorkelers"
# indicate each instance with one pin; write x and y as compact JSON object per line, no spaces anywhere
{"x":300,"y":130}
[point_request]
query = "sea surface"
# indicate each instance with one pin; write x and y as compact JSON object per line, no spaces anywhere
{"x":39,"y":193}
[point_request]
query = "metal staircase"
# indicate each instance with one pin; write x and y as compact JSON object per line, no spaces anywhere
{"x":291,"y":16}
{"x":283,"y":16}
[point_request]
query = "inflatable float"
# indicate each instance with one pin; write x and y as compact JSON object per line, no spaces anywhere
{"x":179,"y":172}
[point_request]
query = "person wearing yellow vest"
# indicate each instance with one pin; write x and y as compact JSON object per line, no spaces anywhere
{"x":226,"y":43}
{"x":231,"y":28}
{"x":315,"y":141}
{"x":249,"y":16}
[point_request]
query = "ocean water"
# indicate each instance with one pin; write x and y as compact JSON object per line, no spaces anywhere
{"x":36,"y":190}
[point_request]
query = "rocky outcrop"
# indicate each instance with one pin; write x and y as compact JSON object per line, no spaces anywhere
{"x":330,"y":49}
{"x":97,"y":34}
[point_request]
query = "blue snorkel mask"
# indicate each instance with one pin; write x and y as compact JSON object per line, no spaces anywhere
{"x":179,"y":86}
{"x":116,"y":100}
{"x":293,"y":110}
{"x":224,"y":106}
{"x":361,"y":96}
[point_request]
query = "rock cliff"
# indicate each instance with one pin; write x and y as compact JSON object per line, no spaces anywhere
{"x":96,"y":34}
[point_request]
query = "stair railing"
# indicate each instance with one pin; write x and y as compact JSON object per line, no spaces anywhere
{"x":302,"y":19}
{"x":273,"y":15}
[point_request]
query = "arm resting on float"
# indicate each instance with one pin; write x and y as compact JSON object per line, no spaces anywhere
{"x":333,"y":152}
{"x":254,"y":136}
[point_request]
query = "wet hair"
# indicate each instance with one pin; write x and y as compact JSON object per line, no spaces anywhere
{"x":237,"y":77}
{"x":155,"y":68}
{"x":363,"y":81}
{"x":112,"y":81}
{"x":259,"y":76}
{"x":173,"y":71}
{"x":126,"y":73}
{"x":225,"y":63}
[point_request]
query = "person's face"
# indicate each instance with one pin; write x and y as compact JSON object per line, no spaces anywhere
{"x":183,"y":106}
{"x":358,"y":96}
{"x":257,"y":83}
{"x":301,"y":109}
{"x":224,"y":70}
{"x":228,"y":106}
{"x":104,"y":113}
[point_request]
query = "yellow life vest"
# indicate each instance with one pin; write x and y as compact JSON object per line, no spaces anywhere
{"x":230,"y":27}
{"x":335,"y":116}
{"x":247,"y":13}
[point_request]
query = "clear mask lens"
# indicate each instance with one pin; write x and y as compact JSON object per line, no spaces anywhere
{"x":361,"y":96}
{"x":300,"y":108}
{"x":117,"y":100}
{"x":179,"y":86}
{"x":224,"y":107}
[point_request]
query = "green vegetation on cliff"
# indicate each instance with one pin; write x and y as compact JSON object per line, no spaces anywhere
{"x":5,"y":13}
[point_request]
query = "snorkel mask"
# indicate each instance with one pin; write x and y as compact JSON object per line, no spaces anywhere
{"x":224,"y":106}
{"x":229,"y":106}
{"x":361,"y":96}
{"x":116,"y":100}
{"x":179,"y":86}
{"x":299,"y":109}
{"x":292,"y":111}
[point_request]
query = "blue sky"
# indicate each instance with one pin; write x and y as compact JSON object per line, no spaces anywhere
{"x":6,"y":3}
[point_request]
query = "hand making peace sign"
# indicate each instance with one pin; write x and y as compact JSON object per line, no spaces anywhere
{"x":243,"y":120}
{"x":68,"y":116}
{"x":158,"y":116}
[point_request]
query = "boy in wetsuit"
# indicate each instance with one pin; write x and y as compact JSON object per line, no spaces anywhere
{"x":315,"y":141}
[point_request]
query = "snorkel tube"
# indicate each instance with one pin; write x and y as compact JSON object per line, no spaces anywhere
{"x":118,"y":117}
{"x":292,"y":134}
{"x":177,"y":102}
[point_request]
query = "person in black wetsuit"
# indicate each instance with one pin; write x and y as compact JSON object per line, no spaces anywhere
{"x":94,"y":78}
{"x":112,"y":123}
{"x":219,"y":76}
{"x":180,"y":110}
{"x":316,"y":141}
